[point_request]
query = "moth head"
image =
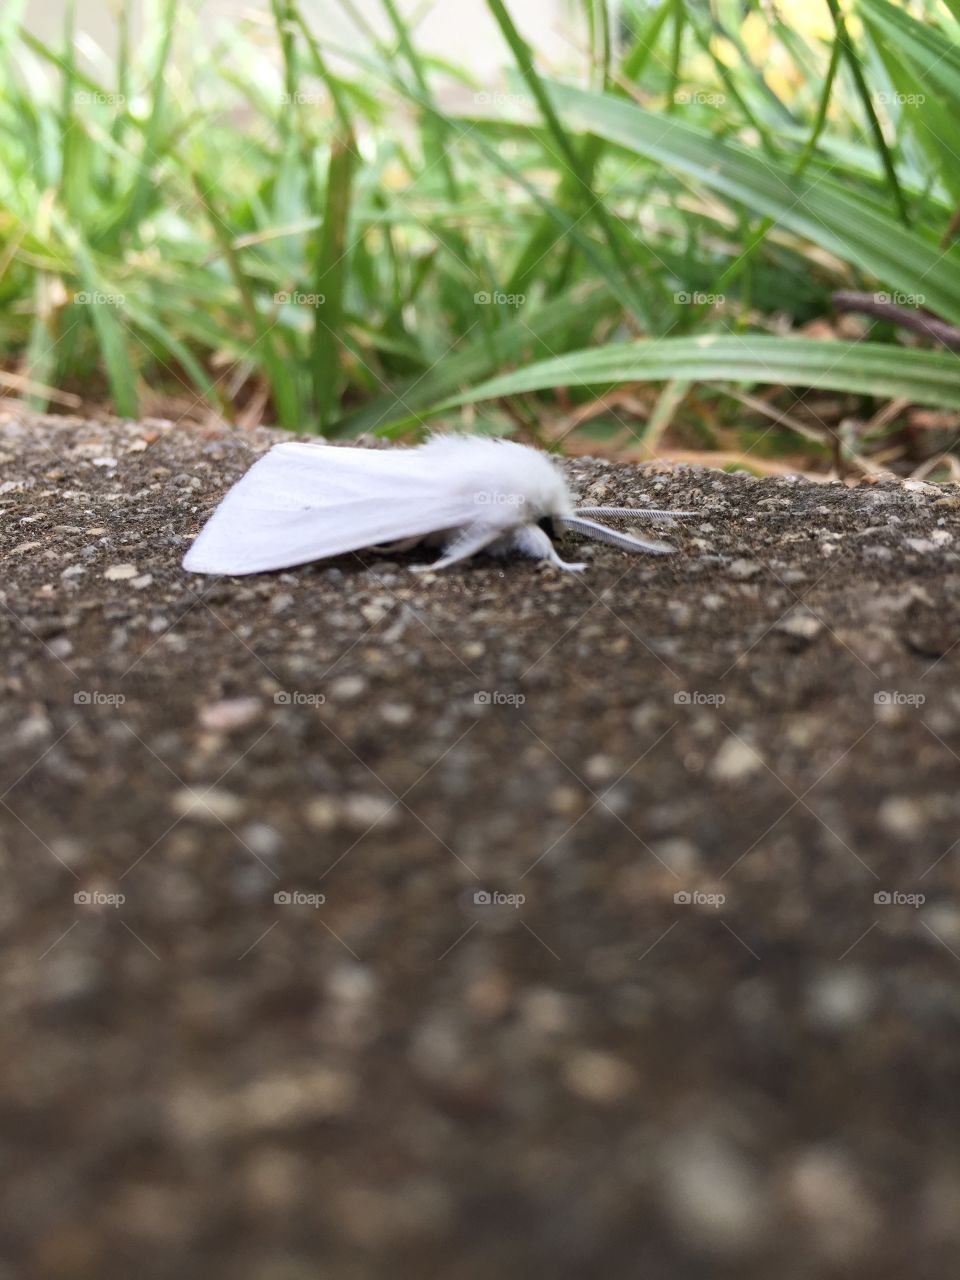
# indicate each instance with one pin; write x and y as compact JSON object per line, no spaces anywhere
{"x":543,"y":486}
{"x":553,"y":526}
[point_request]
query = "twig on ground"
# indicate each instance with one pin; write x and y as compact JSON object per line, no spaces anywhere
{"x":870,"y":304}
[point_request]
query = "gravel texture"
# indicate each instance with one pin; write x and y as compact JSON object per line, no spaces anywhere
{"x":578,"y":966}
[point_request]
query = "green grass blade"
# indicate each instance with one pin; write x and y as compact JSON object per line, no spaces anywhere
{"x":935,"y":57}
{"x":330,"y":276}
{"x":849,"y":51}
{"x":528,"y":336}
{"x":104,"y":305}
{"x":867,"y":368}
{"x":143,"y":182}
{"x":594,"y":206}
{"x":818,"y":208}
{"x":282,"y":382}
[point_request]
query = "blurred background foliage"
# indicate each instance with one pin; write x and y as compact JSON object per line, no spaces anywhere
{"x":256,"y":222}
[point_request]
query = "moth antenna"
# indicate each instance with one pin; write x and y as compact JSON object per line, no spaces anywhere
{"x":635,"y":513}
{"x":600,"y":533}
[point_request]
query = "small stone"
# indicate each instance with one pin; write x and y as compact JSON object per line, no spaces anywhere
{"x":74,"y":571}
{"x":564,"y":800}
{"x":290,"y":1101}
{"x":546,"y":1012}
{"x":346,"y":688}
{"x":600,"y":768}
{"x":396,"y":714}
{"x":801,"y":624}
{"x":120,"y":572}
{"x":321,"y":814}
{"x":34,"y":728}
{"x":735,"y":761}
{"x":376,"y":611}
{"x":598,"y":1077}
{"x":901,"y":817}
{"x":744,"y":570}
{"x":488,"y":995}
{"x":840,"y":998}
{"x":364,"y":810}
{"x":943,"y":920}
{"x":230,"y":715}
{"x":679,"y":854}
{"x":923,"y":546}
{"x":141,"y":581}
{"x":828,"y":1194}
{"x":264,"y":840}
{"x":104,"y":462}
{"x":714,"y":1197}
{"x":207,"y":804}
{"x":351,"y":984}
{"x":644,"y":717}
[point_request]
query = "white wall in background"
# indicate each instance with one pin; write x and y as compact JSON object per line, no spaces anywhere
{"x":460,"y":30}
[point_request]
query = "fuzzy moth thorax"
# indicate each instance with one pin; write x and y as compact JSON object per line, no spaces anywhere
{"x":509,"y":484}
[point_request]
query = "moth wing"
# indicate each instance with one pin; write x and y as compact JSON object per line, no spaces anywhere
{"x":303,"y":502}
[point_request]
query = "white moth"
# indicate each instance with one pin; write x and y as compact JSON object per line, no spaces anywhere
{"x":303,"y":502}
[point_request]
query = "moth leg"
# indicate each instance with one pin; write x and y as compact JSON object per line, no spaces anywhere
{"x":531,"y":540}
{"x":466,"y":543}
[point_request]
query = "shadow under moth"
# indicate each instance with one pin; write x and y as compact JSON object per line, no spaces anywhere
{"x":302,"y":502}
